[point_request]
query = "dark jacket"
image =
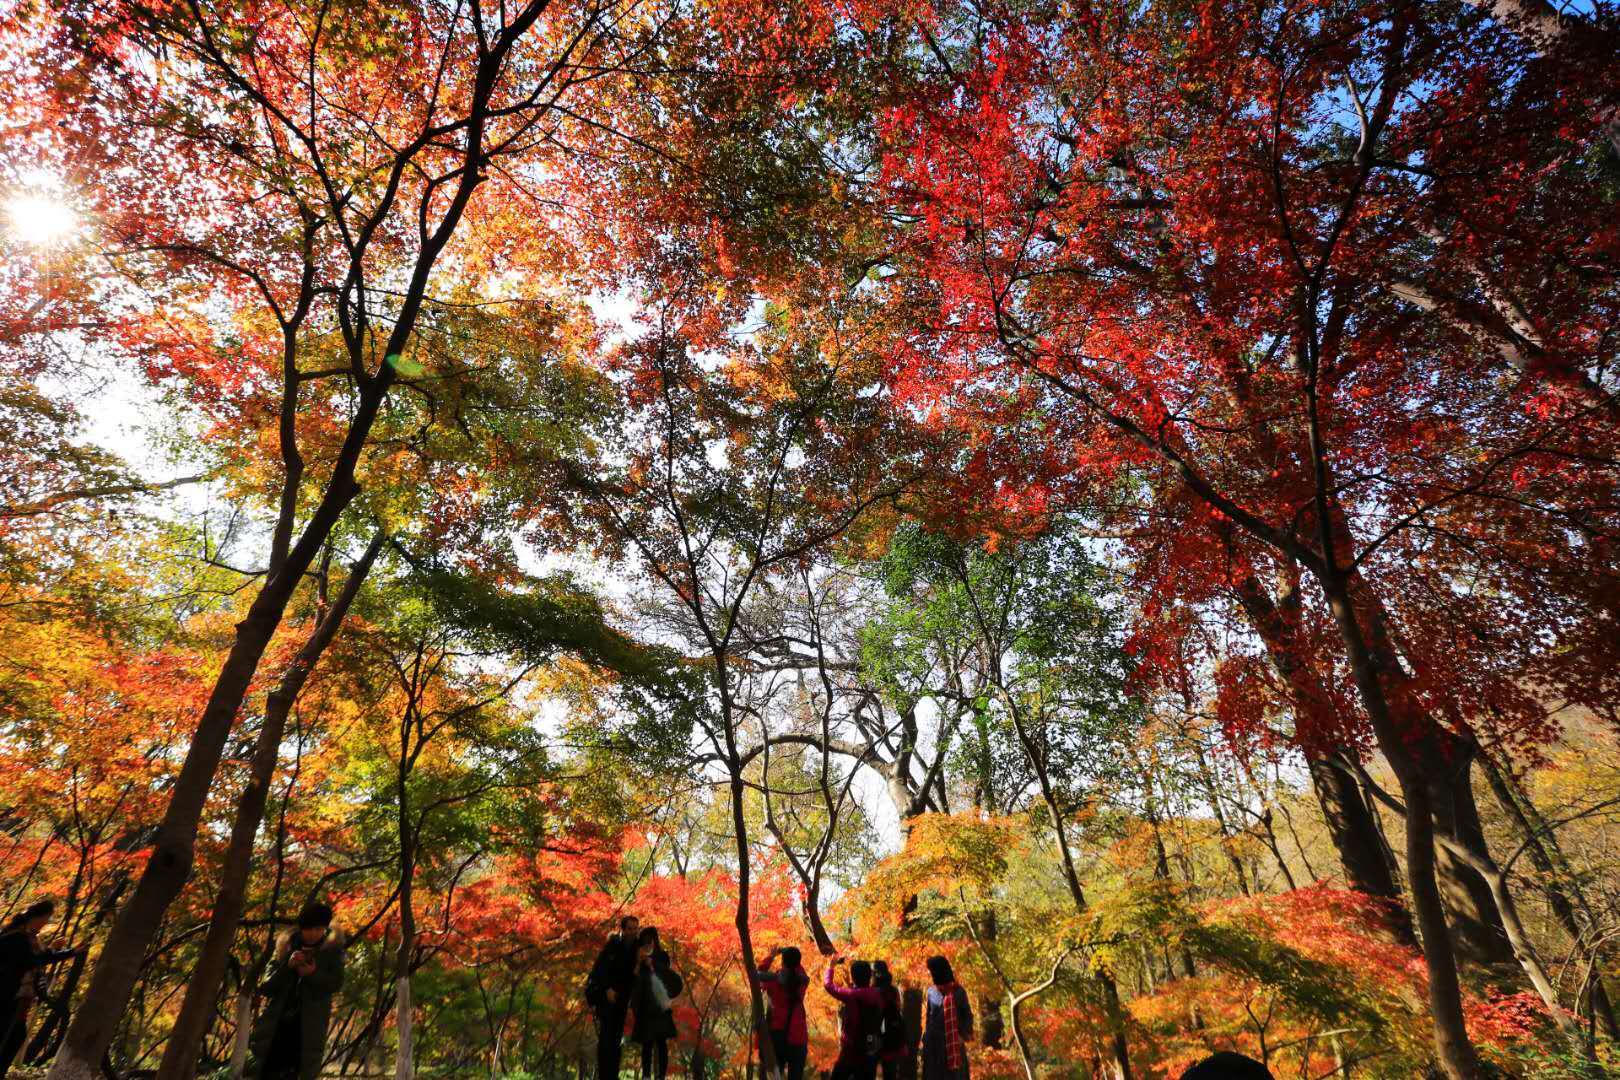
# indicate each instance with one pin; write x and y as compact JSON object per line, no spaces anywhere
{"x":20,"y":955}
{"x":654,"y":1021}
{"x":314,"y":996}
{"x":615,"y":969}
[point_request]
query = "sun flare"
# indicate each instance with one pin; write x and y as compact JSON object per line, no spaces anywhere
{"x":40,"y":220}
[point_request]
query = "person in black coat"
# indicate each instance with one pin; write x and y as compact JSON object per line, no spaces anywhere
{"x":289,"y":1041}
{"x":608,"y":991}
{"x":21,"y":957}
{"x":657,"y":984}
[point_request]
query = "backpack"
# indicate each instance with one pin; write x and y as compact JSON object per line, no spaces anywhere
{"x":869,"y":1040}
{"x":894,"y":1025}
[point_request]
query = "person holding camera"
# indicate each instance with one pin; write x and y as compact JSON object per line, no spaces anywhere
{"x":790,"y":1031}
{"x":289,"y":1042}
{"x":860,"y":1021}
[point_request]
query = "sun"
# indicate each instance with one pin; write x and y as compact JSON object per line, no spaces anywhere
{"x":40,"y":220}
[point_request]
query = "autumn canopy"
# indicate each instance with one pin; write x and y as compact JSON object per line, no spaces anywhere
{"x":1122,"y":496}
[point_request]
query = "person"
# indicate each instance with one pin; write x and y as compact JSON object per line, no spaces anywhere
{"x":949,"y":1025}
{"x":607,"y":992}
{"x":1226,"y":1065}
{"x":21,"y":959}
{"x":896,"y":1047}
{"x":290,"y":1038}
{"x":860,"y":1021}
{"x":656,"y":986}
{"x":790,"y":1029}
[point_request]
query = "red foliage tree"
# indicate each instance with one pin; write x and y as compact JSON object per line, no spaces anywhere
{"x":1172,"y":255}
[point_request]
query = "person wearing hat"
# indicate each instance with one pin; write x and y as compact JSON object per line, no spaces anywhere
{"x":289,"y":1041}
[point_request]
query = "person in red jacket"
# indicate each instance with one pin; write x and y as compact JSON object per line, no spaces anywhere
{"x":860,"y":1022}
{"x":790,"y":1031}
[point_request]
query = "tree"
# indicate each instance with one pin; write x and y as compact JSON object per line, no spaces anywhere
{"x":1035,"y":615}
{"x":716,"y":475}
{"x":1221,"y":323}
{"x":325,"y":222}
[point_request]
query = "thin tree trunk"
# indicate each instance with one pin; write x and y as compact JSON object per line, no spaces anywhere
{"x":1221,"y":823}
{"x":1540,"y":845}
{"x":1105,"y":981}
{"x":992,"y":1028}
{"x":181,"y":1054}
{"x":1523,"y":949}
{"x":757,"y":1031}
{"x":243,"y":1014}
{"x":403,"y":1067}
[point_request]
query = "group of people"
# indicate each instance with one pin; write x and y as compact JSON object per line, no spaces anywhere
{"x":633,"y":981}
{"x":872,"y":1034}
{"x":633,"y":977}
{"x":289,"y":1041}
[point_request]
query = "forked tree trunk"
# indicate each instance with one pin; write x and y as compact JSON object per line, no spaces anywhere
{"x":166,"y":870}
{"x":1119,"y":1046}
{"x":1476,"y":917}
{"x":1523,"y":949}
{"x":183,"y":1051}
{"x":169,"y":865}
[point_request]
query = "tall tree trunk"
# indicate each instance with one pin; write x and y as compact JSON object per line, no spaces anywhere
{"x":1105,"y":981}
{"x":169,"y":865}
{"x":1361,"y":850}
{"x":173,"y":850}
{"x":758,"y":1033}
{"x":1476,"y":919}
{"x":1524,"y":950}
{"x":182,"y":1053}
{"x":243,"y":1015}
{"x":992,"y":1029}
{"x":911,"y":1011}
{"x":1366,"y":860}
{"x":403,"y":1067}
{"x":1453,"y":1048}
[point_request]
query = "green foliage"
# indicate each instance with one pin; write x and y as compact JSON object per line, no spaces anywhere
{"x":661,"y":694}
{"x":1041,"y":620}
